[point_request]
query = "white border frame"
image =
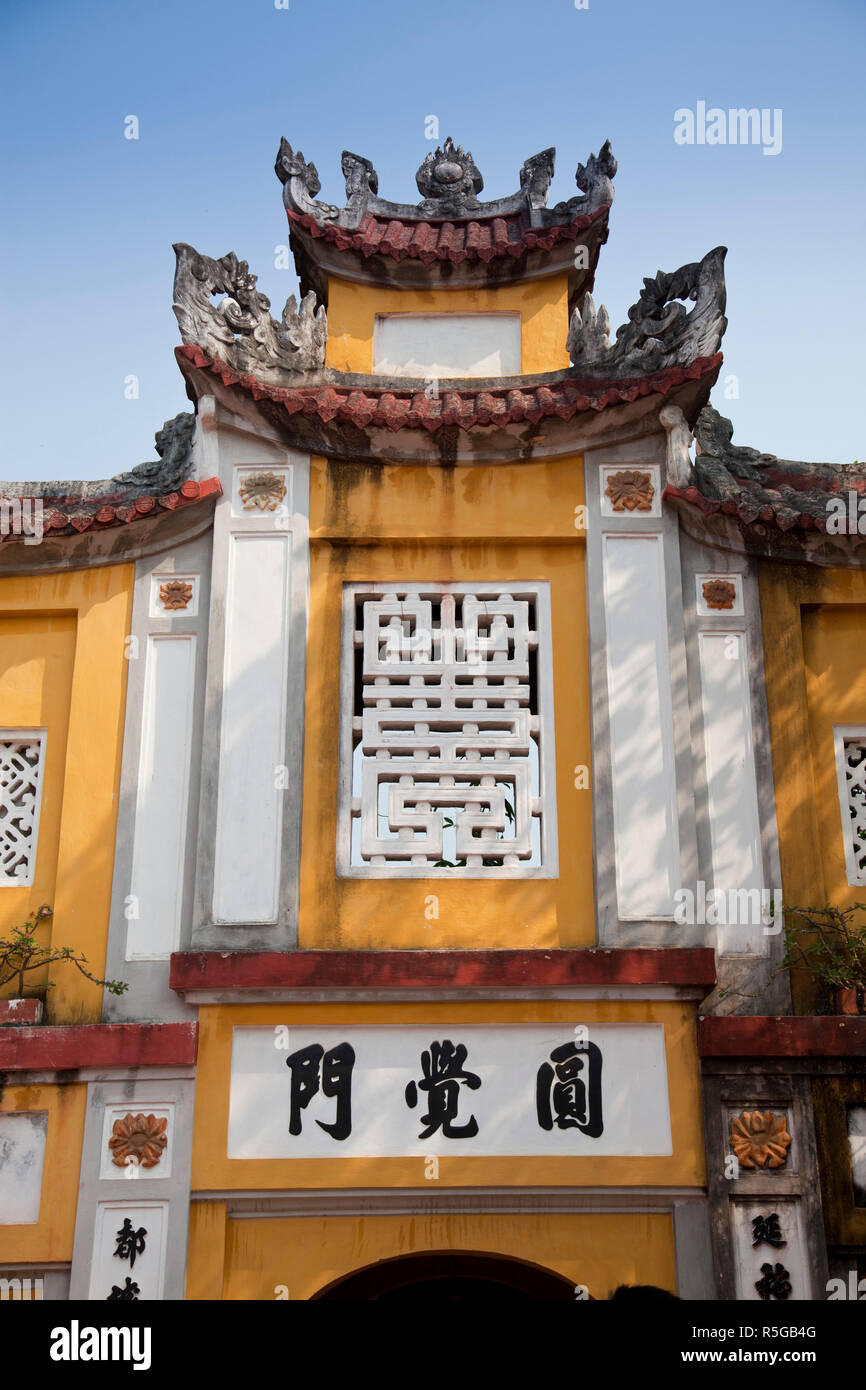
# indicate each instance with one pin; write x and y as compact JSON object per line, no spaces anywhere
{"x":840,"y":733}
{"x":40,"y":736}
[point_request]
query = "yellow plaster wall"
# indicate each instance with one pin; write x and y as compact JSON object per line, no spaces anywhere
{"x":50,"y":1239}
{"x":409,"y":523}
{"x":305,"y":1254}
{"x":542,"y":305}
{"x":63,"y":668}
{"x":814,"y":623}
{"x":213,"y":1171}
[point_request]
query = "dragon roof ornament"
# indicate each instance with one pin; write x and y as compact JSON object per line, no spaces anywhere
{"x":157,"y":477}
{"x":734,"y":473}
{"x":660,"y":331}
{"x":449,"y":182}
{"x":238,"y":328}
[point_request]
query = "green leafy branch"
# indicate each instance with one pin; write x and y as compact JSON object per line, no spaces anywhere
{"x":20,"y":953}
{"x":829,"y":943}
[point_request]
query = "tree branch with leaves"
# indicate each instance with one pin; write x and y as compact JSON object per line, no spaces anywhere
{"x":20,"y":953}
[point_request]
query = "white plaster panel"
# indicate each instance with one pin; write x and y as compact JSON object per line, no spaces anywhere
{"x":506,"y":1061}
{"x":148,"y":1270}
{"x":132,"y":1171}
{"x":253,"y":734}
{"x":447,"y":345}
{"x":703,"y":608}
{"x":749,"y":1258}
{"x":158,"y":609}
{"x":162,"y":798}
{"x":22,"y":1158}
{"x":641,"y":726}
{"x":733,"y":797}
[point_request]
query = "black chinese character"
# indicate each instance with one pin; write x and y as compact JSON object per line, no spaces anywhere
{"x":443,"y":1070}
{"x":765,"y":1229}
{"x":128,"y":1294}
{"x":775,"y":1283}
{"x":563,"y":1096}
{"x":311,"y":1068}
{"x":129,"y":1242}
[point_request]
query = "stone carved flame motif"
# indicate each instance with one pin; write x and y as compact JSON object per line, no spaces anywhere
{"x":719,"y":593}
{"x":630,"y":491}
{"x":450,"y":176}
{"x":139,"y":1138}
{"x":175,"y":594}
{"x":760,"y":1139}
{"x":262,"y":491}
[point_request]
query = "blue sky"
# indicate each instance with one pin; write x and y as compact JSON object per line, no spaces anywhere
{"x":90,"y":216}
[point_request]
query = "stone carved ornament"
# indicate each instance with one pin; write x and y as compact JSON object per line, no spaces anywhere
{"x":760,"y":1138}
{"x":449,"y":181}
{"x":754,"y":481}
{"x":138,"y":1137}
{"x":630,"y":491}
{"x":159,"y":476}
{"x":176,"y":594}
{"x":262,"y":491}
{"x":238,"y":329}
{"x":719,"y":593}
{"x":660,"y":331}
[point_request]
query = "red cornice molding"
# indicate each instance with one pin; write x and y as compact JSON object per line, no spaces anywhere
{"x":64,"y":1048}
{"x":435,"y":970}
{"x":743,"y":1035}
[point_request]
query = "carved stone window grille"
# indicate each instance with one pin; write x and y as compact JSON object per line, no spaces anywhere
{"x":447,"y":756}
{"x":851,"y":770}
{"x":21,"y":765}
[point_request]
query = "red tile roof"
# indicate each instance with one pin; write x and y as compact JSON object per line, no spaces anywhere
{"x":395,"y":409}
{"x":67,"y":515}
{"x":445,"y":241}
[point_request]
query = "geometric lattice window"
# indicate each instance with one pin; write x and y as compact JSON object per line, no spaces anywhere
{"x":851,"y":770}
{"x":22,"y":755}
{"x":447,"y":756}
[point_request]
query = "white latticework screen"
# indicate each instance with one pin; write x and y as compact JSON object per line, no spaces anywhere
{"x":20,"y":794}
{"x":851,"y":768}
{"x":447,"y":742}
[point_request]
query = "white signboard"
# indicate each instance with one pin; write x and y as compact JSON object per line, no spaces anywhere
{"x":393,"y":1091}
{"x":128,"y":1262}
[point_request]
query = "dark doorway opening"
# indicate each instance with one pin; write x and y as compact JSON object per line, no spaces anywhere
{"x":450,"y":1276}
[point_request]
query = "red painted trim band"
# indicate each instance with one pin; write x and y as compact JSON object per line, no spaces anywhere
{"x":64,"y":1048}
{"x":842,"y":1035}
{"x":253,"y":970}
